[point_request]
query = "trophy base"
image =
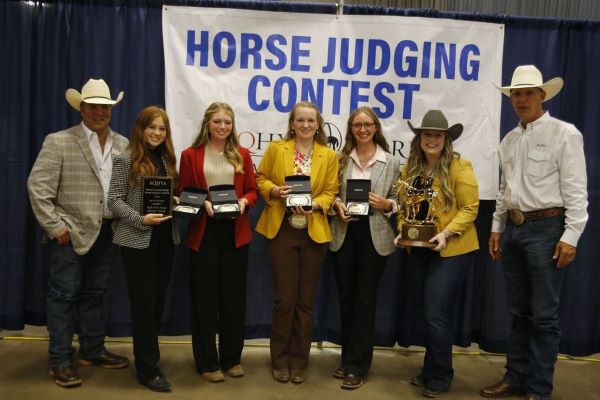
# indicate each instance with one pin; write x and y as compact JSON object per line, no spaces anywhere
{"x":418,"y":235}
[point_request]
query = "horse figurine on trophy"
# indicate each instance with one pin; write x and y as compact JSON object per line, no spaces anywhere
{"x":419,"y":206}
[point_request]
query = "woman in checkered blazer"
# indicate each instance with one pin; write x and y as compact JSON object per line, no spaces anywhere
{"x":147,"y":240}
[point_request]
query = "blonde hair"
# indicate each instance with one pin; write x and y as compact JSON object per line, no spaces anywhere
{"x":415,"y":166}
{"x":232,"y":144}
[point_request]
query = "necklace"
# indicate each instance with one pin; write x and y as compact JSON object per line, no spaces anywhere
{"x":368,"y":157}
{"x":303,"y":150}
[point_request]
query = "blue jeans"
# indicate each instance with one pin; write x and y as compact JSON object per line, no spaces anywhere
{"x":443,"y":279}
{"x":75,"y":293}
{"x":533,"y":285}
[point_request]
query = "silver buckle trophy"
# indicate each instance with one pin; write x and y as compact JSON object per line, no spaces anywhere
{"x":419,"y":209}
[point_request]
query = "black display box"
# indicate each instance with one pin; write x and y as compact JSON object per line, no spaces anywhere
{"x":300,"y":194}
{"x":357,"y":198}
{"x":224,"y":201}
{"x":191,"y":203}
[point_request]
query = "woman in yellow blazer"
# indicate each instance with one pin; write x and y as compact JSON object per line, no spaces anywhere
{"x":442,"y":270}
{"x":298,"y":238}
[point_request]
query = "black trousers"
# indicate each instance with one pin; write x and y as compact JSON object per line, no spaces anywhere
{"x":148,"y":273}
{"x":358,"y":269}
{"x":218,"y":296}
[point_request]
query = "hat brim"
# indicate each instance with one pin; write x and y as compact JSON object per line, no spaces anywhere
{"x":74,"y":99}
{"x":551,"y":88}
{"x":453,"y":132}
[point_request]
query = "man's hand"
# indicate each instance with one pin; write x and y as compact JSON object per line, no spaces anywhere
{"x":494,"y":246}
{"x":63,"y":238}
{"x":564,"y":253}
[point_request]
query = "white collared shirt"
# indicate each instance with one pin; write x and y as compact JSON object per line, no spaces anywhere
{"x":543,"y":166}
{"x":103,"y":162}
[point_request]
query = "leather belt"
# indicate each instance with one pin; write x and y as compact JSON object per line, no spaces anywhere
{"x":517,"y":217}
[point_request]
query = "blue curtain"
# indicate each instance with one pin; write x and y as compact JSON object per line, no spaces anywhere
{"x":52,"y":46}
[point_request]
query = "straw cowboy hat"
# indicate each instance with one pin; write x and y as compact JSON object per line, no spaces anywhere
{"x":527,"y":76}
{"x":436,"y":121}
{"x":95,"y":91}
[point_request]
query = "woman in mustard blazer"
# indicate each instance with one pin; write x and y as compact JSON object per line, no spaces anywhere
{"x":298,"y":238}
{"x":443,"y":269}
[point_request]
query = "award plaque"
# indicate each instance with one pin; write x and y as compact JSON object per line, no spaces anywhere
{"x":419,"y":210}
{"x":191,"y":203}
{"x":300,"y":194}
{"x":224,"y":201}
{"x":157,"y":195}
{"x":357,"y":198}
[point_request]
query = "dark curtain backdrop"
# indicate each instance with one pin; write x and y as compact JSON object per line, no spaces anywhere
{"x":49,"y":47}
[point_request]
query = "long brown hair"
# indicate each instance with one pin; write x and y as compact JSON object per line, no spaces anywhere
{"x":319,"y":135}
{"x":141,"y":163}
{"x":350,"y":142}
{"x":232,"y":143}
{"x":415,"y":165}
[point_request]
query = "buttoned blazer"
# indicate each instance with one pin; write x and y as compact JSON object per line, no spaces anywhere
{"x":277,"y":163}
{"x":65,"y":188}
{"x":191,"y":174}
{"x":383,"y":177}
{"x":125,"y":201}
{"x":460,"y":218}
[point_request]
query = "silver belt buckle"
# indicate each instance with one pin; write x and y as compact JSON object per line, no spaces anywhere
{"x":517,"y":217}
{"x":298,"y":221}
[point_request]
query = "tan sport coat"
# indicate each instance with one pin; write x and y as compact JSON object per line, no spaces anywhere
{"x":383,"y":177}
{"x":65,"y":188}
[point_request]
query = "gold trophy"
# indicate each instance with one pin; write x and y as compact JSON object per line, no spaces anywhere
{"x":419,"y":205}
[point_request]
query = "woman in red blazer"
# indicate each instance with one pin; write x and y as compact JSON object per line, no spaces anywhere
{"x":218,"y":248}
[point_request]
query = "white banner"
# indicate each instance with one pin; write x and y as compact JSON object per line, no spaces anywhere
{"x":262,"y":63}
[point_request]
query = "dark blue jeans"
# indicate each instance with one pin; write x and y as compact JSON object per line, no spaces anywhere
{"x":443,"y":279}
{"x":75,"y":293}
{"x":533,"y":285}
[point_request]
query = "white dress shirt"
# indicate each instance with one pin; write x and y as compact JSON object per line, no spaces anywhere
{"x":103,"y":162}
{"x":543,"y":166}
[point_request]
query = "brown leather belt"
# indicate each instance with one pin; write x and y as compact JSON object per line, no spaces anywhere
{"x":517,"y":217}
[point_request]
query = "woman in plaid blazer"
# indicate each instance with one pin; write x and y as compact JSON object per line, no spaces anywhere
{"x":147,"y":241}
{"x":360,"y":247}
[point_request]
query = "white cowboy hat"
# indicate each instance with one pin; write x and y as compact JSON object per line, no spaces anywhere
{"x":526,"y":76}
{"x":95,"y":91}
{"x":435,"y":120}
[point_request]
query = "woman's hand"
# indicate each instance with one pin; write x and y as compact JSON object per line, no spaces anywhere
{"x":208,"y":207}
{"x":300,"y":210}
{"x":175,"y":200}
{"x":280,"y":192}
{"x":441,"y":240}
{"x":243,"y":203}
{"x":380,"y":203}
{"x":341,"y":210}
{"x":155,"y":219}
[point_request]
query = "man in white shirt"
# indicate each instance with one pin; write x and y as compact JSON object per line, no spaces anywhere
{"x":541,"y":211}
{"x":68,"y":187}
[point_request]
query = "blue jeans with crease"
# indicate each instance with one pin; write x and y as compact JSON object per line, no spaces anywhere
{"x":533,"y":285}
{"x":75,"y":293}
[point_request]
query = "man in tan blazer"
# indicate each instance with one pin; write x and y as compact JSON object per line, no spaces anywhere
{"x":68,"y":186}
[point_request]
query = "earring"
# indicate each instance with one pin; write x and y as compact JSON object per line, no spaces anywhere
{"x":293,"y":132}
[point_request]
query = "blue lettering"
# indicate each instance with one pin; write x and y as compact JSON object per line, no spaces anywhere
{"x":355,"y":96}
{"x":378,"y":93}
{"x":345,"y":56}
{"x":297,"y":52}
{"x":426,"y":60}
{"x":251,"y":45}
{"x":411,"y":61}
{"x":448,"y":61}
{"x":292,"y":91}
{"x":337,"y":86}
{"x":252,"y":89}
{"x":330,"y":66}
{"x":193,"y":47}
{"x":467,"y":74}
{"x":408,"y":89}
{"x":384,"y":49}
{"x":229,"y":40}
{"x":308,"y":92}
{"x":280,"y":57}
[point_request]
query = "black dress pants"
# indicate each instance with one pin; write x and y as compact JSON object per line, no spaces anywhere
{"x":358,"y":269}
{"x":218,"y":296}
{"x":148,"y":273}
